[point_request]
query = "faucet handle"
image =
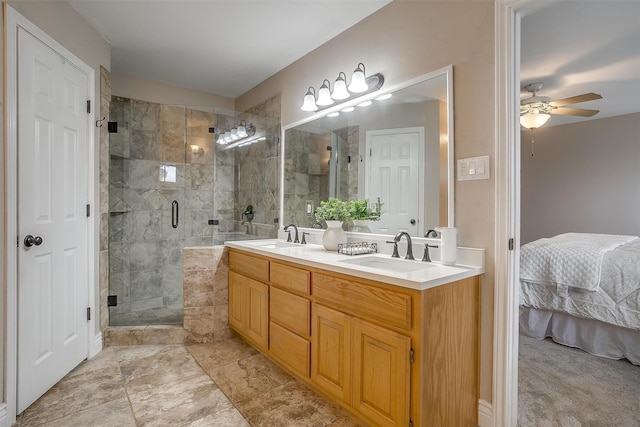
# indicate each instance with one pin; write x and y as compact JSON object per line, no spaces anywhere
{"x":395,"y":249}
{"x":304,"y":241}
{"x":426,"y":257}
{"x":288,"y":235}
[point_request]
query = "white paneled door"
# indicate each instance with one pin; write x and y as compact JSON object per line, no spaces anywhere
{"x":52,"y":220}
{"x":394,"y":174}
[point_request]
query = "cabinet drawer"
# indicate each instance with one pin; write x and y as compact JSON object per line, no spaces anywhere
{"x":295,"y":279}
{"x":291,"y":311}
{"x":383,"y":305}
{"x":256,"y":268}
{"x":290,"y":349}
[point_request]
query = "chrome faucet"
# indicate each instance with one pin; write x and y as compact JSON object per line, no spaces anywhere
{"x":431,"y":233}
{"x":296,"y":240}
{"x":409,"y":247}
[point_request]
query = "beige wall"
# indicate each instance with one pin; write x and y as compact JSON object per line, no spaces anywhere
{"x":583,"y":178}
{"x":404,"y":40}
{"x":162,"y":93}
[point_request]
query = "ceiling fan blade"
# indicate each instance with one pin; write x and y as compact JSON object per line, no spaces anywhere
{"x":575,"y":99}
{"x":564,"y":111}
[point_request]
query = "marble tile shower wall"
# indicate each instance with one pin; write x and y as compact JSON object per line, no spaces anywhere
{"x":159,"y":155}
{"x":307,"y":170}
{"x":257,"y":175}
{"x":306,"y":174}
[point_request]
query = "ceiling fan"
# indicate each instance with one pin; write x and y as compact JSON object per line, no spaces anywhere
{"x":544,"y":105}
{"x":536,"y":110}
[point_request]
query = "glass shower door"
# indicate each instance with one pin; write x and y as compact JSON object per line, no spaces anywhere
{"x":148,"y":179}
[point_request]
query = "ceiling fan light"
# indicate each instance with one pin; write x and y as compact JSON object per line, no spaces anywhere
{"x":358,"y":80}
{"x":309,"y":103}
{"x":324,"y":94}
{"x":340,"y":87}
{"x":533,"y":119}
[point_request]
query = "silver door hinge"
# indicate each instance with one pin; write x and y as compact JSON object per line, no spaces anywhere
{"x":511,"y":244}
{"x":88,"y":313}
{"x":88,"y":106}
{"x":411,"y":356}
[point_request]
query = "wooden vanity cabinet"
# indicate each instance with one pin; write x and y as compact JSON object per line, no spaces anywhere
{"x":249,"y":309}
{"x":249,"y":298}
{"x":390,"y":355}
{"x":290,"y":317}
{"x":362,"y":365}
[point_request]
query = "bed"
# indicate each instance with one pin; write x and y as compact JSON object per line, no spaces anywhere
{"x":583,"y":290}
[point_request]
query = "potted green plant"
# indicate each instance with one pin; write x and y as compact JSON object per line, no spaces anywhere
{"x":360,"y":212}
{"x":333,"y":212}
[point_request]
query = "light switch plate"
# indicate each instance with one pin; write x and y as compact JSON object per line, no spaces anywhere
{"x":473,"y":168}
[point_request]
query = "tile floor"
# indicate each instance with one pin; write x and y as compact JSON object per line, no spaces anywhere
{"x":225,"y":384}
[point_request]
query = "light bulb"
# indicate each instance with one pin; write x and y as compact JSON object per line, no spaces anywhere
{"x":324,"y":94}
{"x":242,"y":131}
{"x":358,"y":80}
{"x":340,"y":87}
{"x":309,"y":103}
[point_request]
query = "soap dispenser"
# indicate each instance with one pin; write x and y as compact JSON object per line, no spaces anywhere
{"x":449,"y":245}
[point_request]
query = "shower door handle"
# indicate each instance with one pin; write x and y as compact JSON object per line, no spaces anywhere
{"x":175,"y":210}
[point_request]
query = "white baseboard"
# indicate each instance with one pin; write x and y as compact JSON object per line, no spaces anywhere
{"x":485,"y":414}
{"x":96,"y":346}
{"x":4,"y":416}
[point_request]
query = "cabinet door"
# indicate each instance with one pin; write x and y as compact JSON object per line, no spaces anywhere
{"x":237,"y":315}
{"x":257,"y":319}
{"x":331,"y":352}
{"x":381,"y":374}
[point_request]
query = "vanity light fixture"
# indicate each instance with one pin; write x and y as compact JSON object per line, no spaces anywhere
{"x":324,"y":94}
{"x":358,"y":80}
{"x":348,"y":109}
{"x":309,"y":103}
{"x":360,"y":85}
{"x":334,"y":114}
{"x":238,"y":133}
{"x":340,"y":87}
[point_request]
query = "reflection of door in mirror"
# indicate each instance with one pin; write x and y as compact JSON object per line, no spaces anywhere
{"x":394,"y":174}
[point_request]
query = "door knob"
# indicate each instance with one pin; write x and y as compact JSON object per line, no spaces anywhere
{"x":412,"y":221}
{"x":29,"y":240}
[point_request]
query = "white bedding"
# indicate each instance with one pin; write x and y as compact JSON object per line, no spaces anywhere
{"x":570,"y":259}
{"x":616,"y":300}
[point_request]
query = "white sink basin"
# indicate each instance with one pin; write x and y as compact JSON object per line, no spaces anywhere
{"x":272,"y":244}
{"x":397,"y":265}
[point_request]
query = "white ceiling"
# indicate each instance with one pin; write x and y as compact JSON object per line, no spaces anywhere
{"x":221,"y":47}
{"x":228,"y":47}
{"x":575,"y":47}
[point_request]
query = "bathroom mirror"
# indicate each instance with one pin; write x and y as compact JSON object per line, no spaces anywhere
{"x":397,"y":150}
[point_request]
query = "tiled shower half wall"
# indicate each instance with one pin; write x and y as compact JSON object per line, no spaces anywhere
{"x":169,"y":181}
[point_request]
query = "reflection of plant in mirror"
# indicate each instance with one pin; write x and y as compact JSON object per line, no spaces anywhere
{"x":360,"y":210}
{"x":333,"y":210}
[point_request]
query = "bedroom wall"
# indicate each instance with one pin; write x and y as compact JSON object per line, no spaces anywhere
{"x":584,"y":177}
{"x":403,"y":40}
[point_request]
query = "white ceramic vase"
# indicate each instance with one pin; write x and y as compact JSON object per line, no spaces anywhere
{"x":360,"y":226}
{"x":333,"y":235}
